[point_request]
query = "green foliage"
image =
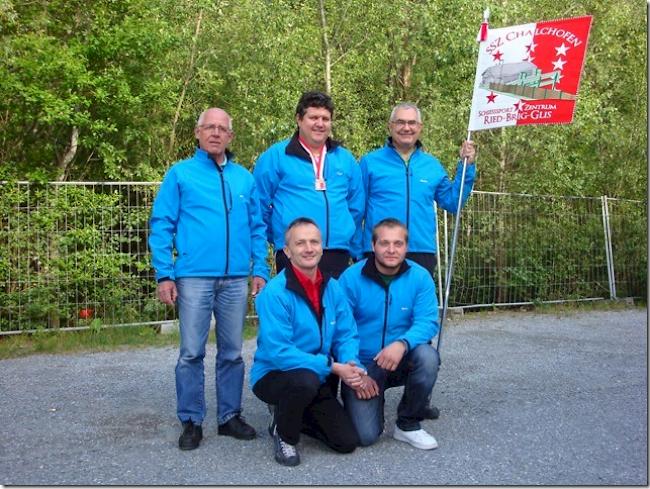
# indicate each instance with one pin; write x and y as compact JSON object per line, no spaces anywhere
{"x":128,"y":80}
{"x":74,"y":256}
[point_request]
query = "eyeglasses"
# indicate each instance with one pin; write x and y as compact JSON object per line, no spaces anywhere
{"x":214,"y":127}
{"x":401,"y":123}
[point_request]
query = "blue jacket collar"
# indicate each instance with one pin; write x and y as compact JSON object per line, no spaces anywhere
{"x":370,"y":270}
{"x":294,"y":285}
{"x":294,"y":148}
{"x":203,"y":154}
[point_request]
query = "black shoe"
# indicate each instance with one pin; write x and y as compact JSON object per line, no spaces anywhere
{"x":272,"y":410}
{"x":431,"y":413}
{"x":237,"y":428}
{"x":285,"y":454}
{"x":191,"y":436}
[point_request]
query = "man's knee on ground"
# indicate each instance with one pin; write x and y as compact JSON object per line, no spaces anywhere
{"x":367,"y":439}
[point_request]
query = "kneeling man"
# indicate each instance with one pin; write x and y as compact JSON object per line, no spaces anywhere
{"x":306,"y":332}
{"x":394,"y":304}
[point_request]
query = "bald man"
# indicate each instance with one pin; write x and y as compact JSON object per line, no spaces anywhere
{"x":207,"y":211}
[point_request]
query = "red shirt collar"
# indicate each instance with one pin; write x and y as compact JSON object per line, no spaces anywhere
{"x":312,"y":289}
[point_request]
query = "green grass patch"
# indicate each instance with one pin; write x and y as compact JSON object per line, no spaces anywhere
{"x":96,"y":339}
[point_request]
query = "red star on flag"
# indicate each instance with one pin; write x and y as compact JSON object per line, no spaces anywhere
{"x":529,"y":74}
{"x":531,"y":47}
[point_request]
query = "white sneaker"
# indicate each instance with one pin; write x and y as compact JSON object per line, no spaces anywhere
{"x":418,"y":438}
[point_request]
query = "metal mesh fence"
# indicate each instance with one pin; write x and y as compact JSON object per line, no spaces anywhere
{"x":74,"y":254}
{"x":514,"y":249}
{"x":628,"y":225}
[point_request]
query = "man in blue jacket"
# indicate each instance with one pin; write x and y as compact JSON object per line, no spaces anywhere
{"x":402,"y":180}
{"x":312,"y":175}
{"x":207,"y":212}
{"x":394,"y":303}
{"x":306,"y":333}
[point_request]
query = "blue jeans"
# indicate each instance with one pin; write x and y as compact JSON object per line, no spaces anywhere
{"x":197,"y":299}
{"x":417,"y":372}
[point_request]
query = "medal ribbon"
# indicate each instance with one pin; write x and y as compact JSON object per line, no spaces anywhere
{"x":317,"y":161}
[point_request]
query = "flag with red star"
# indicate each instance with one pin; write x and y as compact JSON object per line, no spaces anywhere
{"x":529,"y":74}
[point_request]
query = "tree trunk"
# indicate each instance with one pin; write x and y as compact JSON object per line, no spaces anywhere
{"x":186,"y":82}
{"x":326,"y":48}
{"x":68,"y":156}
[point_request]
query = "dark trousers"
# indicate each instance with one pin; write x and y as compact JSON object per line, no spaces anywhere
{"x":333,"y":261}
{"x":426,"y":260}
{"x":305,"y":405}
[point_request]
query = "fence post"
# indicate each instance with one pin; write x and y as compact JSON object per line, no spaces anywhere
{"x":608,"y":248}
{"x":444,"y":216}
{"x":439,"y":285}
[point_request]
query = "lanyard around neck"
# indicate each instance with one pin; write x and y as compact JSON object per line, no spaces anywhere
{"x":317,"y":160}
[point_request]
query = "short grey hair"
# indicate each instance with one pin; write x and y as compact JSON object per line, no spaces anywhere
{"x":202,"y":116}
{"x":405,"y":105}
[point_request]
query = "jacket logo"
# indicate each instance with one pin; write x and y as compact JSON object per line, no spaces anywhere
{"x":332,"y":323}
{"x":339,"y":173}
{"x":424,"y":180}
{"x":403,"y":308}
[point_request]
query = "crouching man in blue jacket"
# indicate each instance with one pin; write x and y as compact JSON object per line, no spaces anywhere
{"x":394,"y":304}
{"x":306,"y":332}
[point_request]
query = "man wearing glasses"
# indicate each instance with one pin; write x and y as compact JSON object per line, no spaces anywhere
{"x":402,"y":181}
{"x":207,"y":212}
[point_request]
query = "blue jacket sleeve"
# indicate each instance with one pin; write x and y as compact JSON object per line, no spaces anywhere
{"x":275,"y":336}
{"x":164,"y":218}
{"x":357,"y":206}
{"x":425,"y":313}
{"x":266,"y":179}
{"x":448,"y":192}
{"x":258,"y":236}
{"x":345,"y":344}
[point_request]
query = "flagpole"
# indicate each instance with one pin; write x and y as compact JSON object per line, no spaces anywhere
{"x":481,"y":37}
{"x":452,"y":253}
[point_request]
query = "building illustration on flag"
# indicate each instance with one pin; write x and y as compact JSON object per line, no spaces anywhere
{"x":529,"y":74}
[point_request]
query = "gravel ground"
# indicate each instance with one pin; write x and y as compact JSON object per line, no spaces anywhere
{"x":526,"y":399}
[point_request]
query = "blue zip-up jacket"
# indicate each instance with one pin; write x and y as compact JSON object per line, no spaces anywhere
{"x":407,"y":192}
{"x":406,"y":309}
{"x":285,"y":182}
{"x":211,"y":217}
{"x":291,"y":335}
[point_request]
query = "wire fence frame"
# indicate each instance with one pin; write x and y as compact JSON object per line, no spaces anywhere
{"x":74,"y":254}
{"x":568,"y":240}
